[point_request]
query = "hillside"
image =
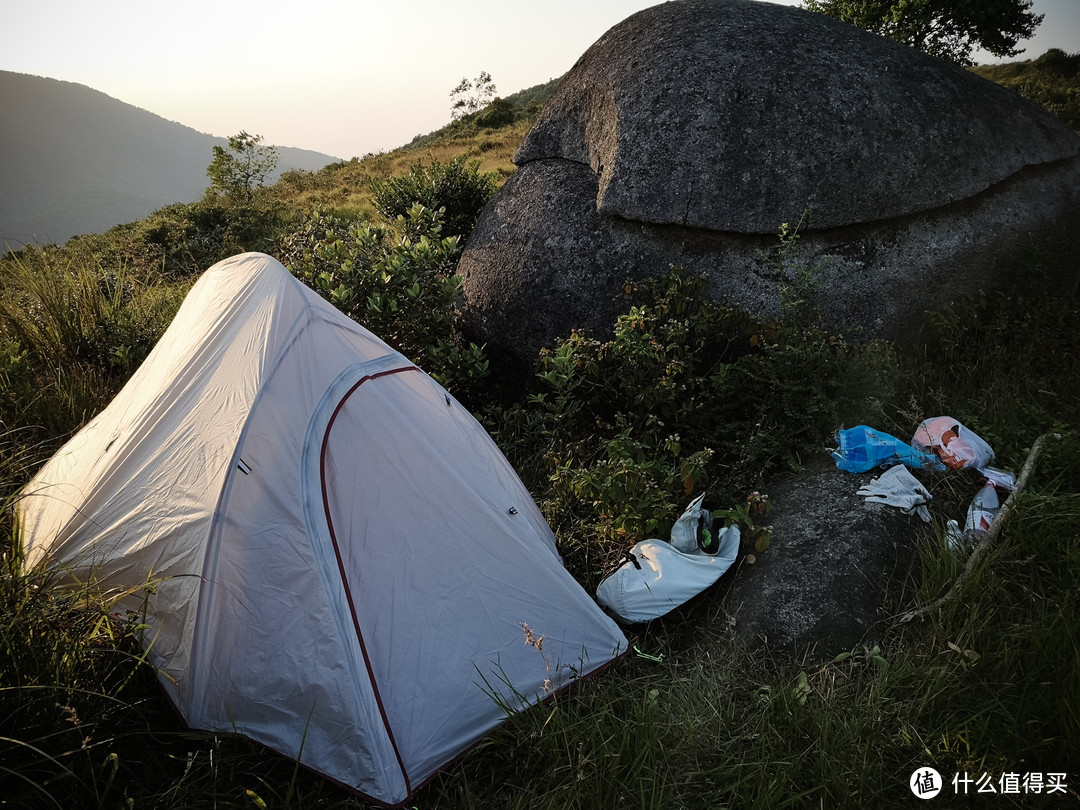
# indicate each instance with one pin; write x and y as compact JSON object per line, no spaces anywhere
{"x":1052,"y":80}
{"x":74,"y":160}
{"x":490,"y":137}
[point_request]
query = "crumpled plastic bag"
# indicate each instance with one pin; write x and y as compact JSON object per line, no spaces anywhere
{"x":656,"y":577}
{"x":956,"y":446}
{"x":983,"y":511}
{"x":898,"y":487}
{"x":1002,"y":479}
{"x":862,"y":448}
{"x":695,"y":523}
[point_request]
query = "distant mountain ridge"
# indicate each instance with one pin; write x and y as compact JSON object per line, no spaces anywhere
{"x":74,"y":160}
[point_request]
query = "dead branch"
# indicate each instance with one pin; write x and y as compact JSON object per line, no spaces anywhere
{"x":987,"y":539}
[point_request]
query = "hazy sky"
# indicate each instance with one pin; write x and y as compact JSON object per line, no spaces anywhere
{"x":344,"y":77}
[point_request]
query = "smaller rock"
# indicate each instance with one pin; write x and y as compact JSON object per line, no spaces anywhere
{"x":819,"y":589}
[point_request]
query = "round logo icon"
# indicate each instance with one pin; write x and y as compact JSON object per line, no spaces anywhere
{"x":925,"y":783}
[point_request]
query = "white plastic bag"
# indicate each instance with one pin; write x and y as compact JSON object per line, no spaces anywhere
{"x":958,"y":447}
{"x":984,"y":508}
{"x":687,"y":529}
{"x":657,"y":577}
{"x":898,"y":487}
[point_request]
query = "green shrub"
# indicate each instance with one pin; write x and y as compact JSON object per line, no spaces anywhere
{"x":457,"y":187}
{"x":499,"y":113}
{"x":1052,"y":80}
{"x":398,"y":282}
{"x":184,"y":239}
{"x":688,"y":394}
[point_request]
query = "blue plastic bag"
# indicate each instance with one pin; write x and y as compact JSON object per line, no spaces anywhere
{"x":862,"y":449}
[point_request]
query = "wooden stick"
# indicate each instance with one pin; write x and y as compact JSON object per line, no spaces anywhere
{"x":989,"y":537}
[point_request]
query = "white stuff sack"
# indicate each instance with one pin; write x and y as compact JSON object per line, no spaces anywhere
{"x":656,"y":577}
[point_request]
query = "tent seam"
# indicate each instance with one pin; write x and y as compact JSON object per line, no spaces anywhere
{"x":341,"y":566}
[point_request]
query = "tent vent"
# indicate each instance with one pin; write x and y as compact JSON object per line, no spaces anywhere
{"x":243,"y":467}
{"x":512,"y":510}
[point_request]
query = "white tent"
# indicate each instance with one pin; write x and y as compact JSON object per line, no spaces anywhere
{"x":344,"y":559}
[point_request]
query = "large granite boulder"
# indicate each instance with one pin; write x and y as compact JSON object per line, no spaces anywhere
{"x":692,"y":130}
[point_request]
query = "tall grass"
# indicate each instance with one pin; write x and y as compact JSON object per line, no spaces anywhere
{"x":72,"y":679}
{"x":71,"y":332}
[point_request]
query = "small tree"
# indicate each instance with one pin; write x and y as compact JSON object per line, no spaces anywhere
{"x":238,"y":170}
{"x":470,"y":97}
{"x":950,"y":29}
{"x":499,"y":113}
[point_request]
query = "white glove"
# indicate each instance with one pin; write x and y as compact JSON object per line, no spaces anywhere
{"x":898,"y":487}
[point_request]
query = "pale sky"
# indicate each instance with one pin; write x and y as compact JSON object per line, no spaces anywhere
{"x":344,"y":77}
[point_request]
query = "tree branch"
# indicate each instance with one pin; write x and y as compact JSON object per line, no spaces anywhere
{"x":989,"y":537}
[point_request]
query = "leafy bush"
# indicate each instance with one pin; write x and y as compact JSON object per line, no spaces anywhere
{"x":625,"y":431}
{"x":499,"y":113}
{"x":184,"y":239}
{"x":398,"y":282}
{"x":457,"y":187}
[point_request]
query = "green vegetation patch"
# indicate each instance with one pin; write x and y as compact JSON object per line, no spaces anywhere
{"x":1052,"y":80}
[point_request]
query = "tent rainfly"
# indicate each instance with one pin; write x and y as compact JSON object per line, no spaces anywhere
{"x":344,"y":560}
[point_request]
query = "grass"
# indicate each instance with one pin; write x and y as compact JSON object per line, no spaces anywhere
{"x":988,"y":685}
{"x":71,"y":332}
{"x":345,"y":187}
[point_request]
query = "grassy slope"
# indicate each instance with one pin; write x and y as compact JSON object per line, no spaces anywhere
{"x":344,"y":186}
{"x":1052,"y":80}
